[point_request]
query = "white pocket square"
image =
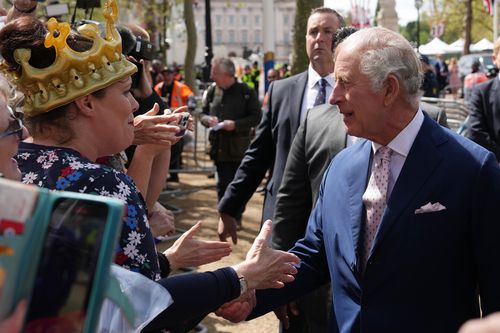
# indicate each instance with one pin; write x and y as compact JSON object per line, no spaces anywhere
{"x":429,"y":208}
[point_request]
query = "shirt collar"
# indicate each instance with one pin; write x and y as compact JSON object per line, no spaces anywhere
{"x":402,"y":143}
{"x":314,"y":77}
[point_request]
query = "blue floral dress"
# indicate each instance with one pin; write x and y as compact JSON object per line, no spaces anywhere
{"x":67,"y":170}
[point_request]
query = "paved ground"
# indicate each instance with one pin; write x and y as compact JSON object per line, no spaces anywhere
{"x":198,"y":202}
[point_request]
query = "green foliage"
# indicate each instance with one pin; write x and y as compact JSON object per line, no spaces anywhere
{"x":453,"y":17}
{"x":300,"y":61}
{"x":482,"y":23}
{"x":410,"y":31}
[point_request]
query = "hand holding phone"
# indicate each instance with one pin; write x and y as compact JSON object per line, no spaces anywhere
{"x":183,"y":123}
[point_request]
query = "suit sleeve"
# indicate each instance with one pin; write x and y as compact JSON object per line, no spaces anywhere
{"x":294,"y":200}
{"x":257,"y":160}
{"x":485,"y":235}
{"x":479,"y":130}
{"x":312,"y":271}
{"x":195,"y":296}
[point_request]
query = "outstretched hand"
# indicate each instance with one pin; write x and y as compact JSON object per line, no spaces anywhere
{"x":265,"y":267}
{"x":188,"y":251}
{"x":151,"y":128}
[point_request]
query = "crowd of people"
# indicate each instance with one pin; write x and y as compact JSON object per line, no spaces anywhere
{"x":376,"y":217}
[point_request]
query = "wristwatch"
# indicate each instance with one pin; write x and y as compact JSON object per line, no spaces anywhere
{"x":243,"y":284}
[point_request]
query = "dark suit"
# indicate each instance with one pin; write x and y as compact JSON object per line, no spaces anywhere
{"x":319,"y":138}
{"x":269,"y":149}
{"x":484,"y":116}
{"x":424,"y":269}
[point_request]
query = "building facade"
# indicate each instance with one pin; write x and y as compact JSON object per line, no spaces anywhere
{"x":236,"y":26}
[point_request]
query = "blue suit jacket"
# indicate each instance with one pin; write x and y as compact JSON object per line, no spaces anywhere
{"x":424,"y":269}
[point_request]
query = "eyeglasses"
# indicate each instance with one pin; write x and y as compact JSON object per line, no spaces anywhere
{"x":15,"y":127}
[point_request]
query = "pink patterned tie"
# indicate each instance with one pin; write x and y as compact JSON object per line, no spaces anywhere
{"x":375,"y":199}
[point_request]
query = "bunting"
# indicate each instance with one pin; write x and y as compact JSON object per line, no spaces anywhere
{"x":488,"y":5}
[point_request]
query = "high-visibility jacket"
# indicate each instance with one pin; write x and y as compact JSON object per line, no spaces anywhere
{"x":180,"y":94}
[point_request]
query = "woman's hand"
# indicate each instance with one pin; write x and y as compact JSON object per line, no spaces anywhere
{"x":151,"y":128}
{"x":161,"y":221}
{"x":264,"y":267}
{"x":188,"y":251}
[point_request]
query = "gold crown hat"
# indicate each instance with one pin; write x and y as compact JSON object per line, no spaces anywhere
{"x":73,"y":74}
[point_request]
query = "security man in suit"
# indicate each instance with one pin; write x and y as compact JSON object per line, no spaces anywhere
{"x":484,"y":111}
{"x":287,"y":104}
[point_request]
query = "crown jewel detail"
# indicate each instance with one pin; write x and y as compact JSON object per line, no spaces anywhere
{"x":73,"y":74}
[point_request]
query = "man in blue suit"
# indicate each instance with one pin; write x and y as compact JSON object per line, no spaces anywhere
{"x":436,"y":243}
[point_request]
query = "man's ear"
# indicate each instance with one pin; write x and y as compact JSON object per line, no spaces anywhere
{"x":391,"y":90}
{"x":85,"y":104}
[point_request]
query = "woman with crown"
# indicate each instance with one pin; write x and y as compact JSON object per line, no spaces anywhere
{"x":77,"y":108}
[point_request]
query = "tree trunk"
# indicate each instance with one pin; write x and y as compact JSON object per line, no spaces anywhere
{"x":300,"y":61}
{"x":467,"y":26}
{"x":189,"y":72}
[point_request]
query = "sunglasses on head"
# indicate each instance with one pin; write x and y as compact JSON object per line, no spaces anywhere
{"x":15,"y":127}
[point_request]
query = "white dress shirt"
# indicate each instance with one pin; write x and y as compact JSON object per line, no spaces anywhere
{"x":312,"y":89}
{"x":401,"y":146}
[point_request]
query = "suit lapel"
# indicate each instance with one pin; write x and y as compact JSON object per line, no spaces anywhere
{"x":494,"y":96}
{"x":420,"y":163}
{"x":296,"y":95}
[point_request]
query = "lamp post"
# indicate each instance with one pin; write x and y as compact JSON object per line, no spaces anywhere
{"x":418,"y":5}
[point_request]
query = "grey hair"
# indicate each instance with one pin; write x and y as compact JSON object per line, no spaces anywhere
{"x":225,"y":65}
{"x":384,"y":52}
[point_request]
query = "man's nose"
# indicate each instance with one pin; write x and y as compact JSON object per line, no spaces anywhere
{"x":336,"y":95}
{"x":320,"y":36}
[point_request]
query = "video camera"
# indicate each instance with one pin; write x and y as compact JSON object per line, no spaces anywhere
{"x":142,"y":49}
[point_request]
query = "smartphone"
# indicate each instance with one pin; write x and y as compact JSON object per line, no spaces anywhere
{"x":183,"y":123}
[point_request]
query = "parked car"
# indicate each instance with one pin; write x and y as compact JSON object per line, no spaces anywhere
{"x":465,"y":63}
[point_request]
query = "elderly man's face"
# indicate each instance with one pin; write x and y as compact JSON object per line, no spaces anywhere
{"x":220,"y":78}
{"x":361,"y":106}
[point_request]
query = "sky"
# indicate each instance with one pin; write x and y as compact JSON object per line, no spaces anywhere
{"x":404,"y":8}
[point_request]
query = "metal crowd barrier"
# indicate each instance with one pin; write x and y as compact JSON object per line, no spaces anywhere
{"x":456,"y":111}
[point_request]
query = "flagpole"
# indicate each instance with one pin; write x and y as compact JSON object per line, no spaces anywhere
{"x":495,"y":20}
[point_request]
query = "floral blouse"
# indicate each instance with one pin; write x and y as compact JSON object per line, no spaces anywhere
{"x":67,"y":170}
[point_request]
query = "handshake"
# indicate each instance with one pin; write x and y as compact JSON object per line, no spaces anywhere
{"x":263,"y":268}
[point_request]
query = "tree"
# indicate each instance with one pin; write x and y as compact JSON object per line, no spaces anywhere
{"x":192,"y":42}
{"x":303,"y":9}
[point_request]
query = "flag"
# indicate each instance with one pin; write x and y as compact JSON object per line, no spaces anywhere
{"x":488,"y":5}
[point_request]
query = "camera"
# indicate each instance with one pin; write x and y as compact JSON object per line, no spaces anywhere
{"x":136,"y":77}
{"x":142,"y":49}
